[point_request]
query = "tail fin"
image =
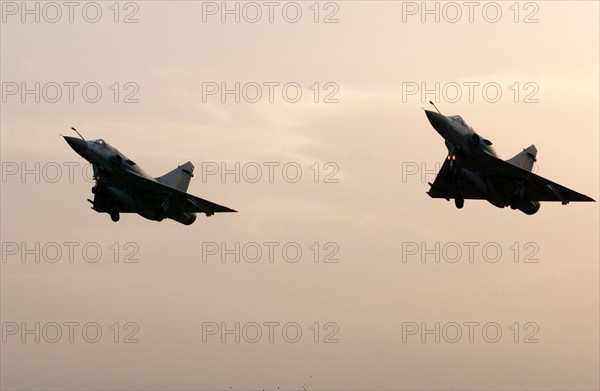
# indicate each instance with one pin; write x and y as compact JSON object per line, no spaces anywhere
{"x":179,"y":178}
{"x":525,"y":159}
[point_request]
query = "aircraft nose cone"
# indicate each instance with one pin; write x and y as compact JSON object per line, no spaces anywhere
{"x":78,"y":145}
{"x":438,"y":121}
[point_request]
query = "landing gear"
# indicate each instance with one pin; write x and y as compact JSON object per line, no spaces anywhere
{"x":94,"y":190}
{"x":517,"y":197}
{"x":114,"y":216}
{"x":459,"y":202}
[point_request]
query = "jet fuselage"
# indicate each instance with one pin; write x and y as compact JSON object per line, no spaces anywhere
{"x":123,"y":187}
{"x":473,"y":171}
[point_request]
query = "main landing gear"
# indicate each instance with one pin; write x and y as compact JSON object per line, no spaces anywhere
{"x":114,"y":216}
{"x":459,"y":202}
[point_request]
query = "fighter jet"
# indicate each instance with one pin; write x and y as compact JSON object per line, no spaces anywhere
{"x":472,"y":170}
{"x":123,"y":187}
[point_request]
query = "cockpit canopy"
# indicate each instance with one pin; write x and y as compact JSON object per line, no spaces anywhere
{"x":99,"y":142}
{"x":460,"y":120}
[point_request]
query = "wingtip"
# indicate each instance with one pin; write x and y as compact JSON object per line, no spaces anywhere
{"x":586,"y":198}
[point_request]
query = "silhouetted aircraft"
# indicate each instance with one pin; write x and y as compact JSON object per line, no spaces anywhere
{"x":123,"y":187}
{"x":472,"y":170}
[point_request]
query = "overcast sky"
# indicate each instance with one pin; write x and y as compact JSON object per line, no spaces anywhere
{"x":324,"y":149}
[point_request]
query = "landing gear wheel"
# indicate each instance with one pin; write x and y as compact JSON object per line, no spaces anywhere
{"x":459,"y":202}
{"x":114,"y":216}
{"x":94,"y":190}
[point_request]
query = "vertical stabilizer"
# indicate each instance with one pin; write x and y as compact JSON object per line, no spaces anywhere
{"x":179,"y":178}
{"x":525,"y":159}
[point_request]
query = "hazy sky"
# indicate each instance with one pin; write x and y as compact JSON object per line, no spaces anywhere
{"x":343,"y":171}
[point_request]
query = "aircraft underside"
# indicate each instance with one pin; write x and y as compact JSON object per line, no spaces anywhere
{"x":114,"y":201}
{"x":496,"y":189}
